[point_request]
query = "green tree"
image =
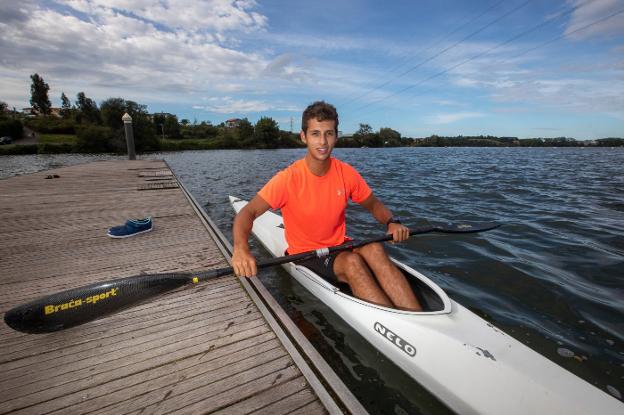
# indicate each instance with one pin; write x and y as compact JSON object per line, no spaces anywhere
{"x":111,"y":111}
{"x":11,"y":127}
{"x":95,"y":139}
{"x":167,"y":125}
{"x":159,"y":123}
{"x":266,"y":133}
{"x":390,"y":137}
{"x":365,"y":136}
{"x":4,"y":107}
{"x":172,"y":127}
{"x":290,"y":140}
{"x":144,"y":130}
{"x":365,"y":129}
{"x":226,"y":138}
{"x":610,"y":142}
{"x":245,"y":130}
{"x":88,"y":111}
{"x":65,"y":106}
{"x":39,"y":95}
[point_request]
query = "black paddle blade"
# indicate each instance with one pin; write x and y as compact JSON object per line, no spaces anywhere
{"x":80,"y":305}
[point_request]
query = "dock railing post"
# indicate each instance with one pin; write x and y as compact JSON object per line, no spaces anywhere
{"x":127,"y":120}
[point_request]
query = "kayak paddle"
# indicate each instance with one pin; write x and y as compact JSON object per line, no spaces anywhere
{"x":80,"y":305}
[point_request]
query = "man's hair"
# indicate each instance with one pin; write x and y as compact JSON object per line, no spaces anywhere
{"x":320,"y":111}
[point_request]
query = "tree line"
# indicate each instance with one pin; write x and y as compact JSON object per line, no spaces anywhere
{"x":100,"y":129}
{"x":493,"y":141}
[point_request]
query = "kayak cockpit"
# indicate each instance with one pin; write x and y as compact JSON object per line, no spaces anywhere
{"x":431,"y":297}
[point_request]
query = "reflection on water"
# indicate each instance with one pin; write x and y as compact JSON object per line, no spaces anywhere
{"x":551,"y":276}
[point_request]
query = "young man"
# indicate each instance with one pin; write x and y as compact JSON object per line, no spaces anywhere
{"x":312,"y":194}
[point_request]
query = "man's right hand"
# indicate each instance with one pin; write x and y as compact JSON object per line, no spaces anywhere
{"x":244,"y":263}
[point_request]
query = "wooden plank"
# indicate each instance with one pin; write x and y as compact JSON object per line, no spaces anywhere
{"x":102,"y":391}
{"x":313,"y":408}
{"x":208,"y":389}
{"x":286,"y":405}
{"x":155,"y":173}
{"x":271,"y":397}
{"x":246,"y":386}
{"x":46,"y":389}
{"x":67,"y":369}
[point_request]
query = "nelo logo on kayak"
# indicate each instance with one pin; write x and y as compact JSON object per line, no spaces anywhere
{"x":396,"y":340}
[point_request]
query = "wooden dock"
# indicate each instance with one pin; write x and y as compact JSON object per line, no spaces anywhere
{"x":217,"y":348}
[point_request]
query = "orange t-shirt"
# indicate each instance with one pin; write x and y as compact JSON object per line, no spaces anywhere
{"x":313,"y":207}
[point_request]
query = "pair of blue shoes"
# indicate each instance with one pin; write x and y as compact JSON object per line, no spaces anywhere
{"x":131,"y":228}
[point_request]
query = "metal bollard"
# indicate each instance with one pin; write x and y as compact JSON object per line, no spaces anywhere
{"x":127,"y":120}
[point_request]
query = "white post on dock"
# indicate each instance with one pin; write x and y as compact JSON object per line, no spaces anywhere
{"x":127,"y":120}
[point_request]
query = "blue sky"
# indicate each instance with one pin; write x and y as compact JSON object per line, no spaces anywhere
{"x":526,"y":68}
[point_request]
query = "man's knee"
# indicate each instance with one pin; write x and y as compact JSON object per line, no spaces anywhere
{"x":374,"y":252}
{"x":376,"y":248}
{"x":353,"y":265}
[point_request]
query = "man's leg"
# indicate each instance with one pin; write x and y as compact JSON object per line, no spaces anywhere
{"x":351,"y":268}
{"x":391,"y":279}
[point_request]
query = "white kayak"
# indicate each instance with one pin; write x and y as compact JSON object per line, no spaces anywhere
{"x":466,"y":362}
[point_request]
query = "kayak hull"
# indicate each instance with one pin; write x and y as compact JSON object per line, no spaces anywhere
{"x":466,"y":362}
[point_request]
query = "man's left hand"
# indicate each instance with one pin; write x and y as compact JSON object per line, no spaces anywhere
{"x":398,"y":231}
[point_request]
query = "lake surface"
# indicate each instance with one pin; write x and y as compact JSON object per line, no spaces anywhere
{"x":552,"y":276}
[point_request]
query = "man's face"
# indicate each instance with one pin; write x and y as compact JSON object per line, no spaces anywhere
{"x":320,"y":138}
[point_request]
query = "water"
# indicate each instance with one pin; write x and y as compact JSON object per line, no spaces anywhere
{"x":551,"y":276}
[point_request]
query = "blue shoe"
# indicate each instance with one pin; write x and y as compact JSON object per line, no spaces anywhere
{"x":131,"y":228}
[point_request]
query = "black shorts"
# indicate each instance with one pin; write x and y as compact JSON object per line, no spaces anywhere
{"x":324,"y":267}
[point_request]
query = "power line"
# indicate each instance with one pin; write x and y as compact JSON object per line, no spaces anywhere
{"x":513,"y":38}
{"x":457,"y":29}
{"x":481,"y":29}
{"x":410,"y":58}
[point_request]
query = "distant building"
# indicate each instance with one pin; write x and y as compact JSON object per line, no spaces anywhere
{"x":29,"y":112}
{"x":32,"y":112}
{"x":232,"y":122}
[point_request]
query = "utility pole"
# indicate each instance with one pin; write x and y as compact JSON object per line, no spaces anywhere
{"x":291,"y":124}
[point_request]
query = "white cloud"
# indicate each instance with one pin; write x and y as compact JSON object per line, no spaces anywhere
{"x":448,"y":102}
{"x":229,"y":105}
{"x":577,"y":83}
{"x":589,"y":12}
{"x":160,"y":51}
{"x":449,"y":118}
{"x":575,"y":94}
{"x":321,"y":43}
{"x":188,"y":15}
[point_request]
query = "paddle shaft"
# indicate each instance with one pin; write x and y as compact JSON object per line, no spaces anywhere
{"x":451,"y":229}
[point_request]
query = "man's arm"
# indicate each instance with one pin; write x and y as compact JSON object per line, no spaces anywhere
{"x":243,"y":261}
{"x":383,"y":215}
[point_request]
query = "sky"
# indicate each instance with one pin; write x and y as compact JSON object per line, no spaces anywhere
{"x":523,"y":68}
